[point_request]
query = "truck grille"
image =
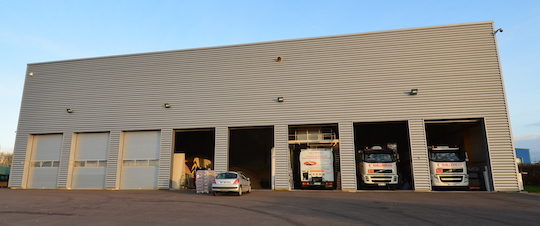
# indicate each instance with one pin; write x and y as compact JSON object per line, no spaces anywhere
{"x":452,"y":170}
{"x":381,"y":178}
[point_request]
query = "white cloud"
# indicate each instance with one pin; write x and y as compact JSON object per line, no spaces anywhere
{"x":527,"y":137}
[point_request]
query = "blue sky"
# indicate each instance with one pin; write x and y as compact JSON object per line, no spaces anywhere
{"x":37,"y":31}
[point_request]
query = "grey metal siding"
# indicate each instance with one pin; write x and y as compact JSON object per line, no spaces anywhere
{"x":347,"y":156}
{"x":165,"y":155}
{"x":354,"y":78}
{"x":18,"y":169}
{"x":506,"y":179}
{"x":112,"y":173}
{"x":499,"y":140}
{"x":64,"y":169}
{"x":221,"y":152}
{"x":419,"y":155}
{"x":282,"y":161}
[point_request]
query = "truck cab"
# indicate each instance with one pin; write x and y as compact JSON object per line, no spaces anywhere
{"x":448,"y":166}
{"x":378,"y":167}
{"x":317,"y":168}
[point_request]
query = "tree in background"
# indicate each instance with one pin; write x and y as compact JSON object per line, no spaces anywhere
{"x":530,"y":173}
{"x":6,"y":159}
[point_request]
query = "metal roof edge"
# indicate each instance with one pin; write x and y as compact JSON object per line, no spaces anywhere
{"x":267,"y":42}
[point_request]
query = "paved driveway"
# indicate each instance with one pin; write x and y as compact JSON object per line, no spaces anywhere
{"x":57,"y":207}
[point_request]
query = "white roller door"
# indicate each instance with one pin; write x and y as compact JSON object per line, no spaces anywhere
{"x":90,"y":161}
{"x":44,"y":161}
{"x":140,"y":160}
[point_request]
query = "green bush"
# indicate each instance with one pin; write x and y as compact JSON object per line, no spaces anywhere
{"x":531,"y":174}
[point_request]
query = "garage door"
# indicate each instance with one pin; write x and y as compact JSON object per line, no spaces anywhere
{"x":90,"y":161}
{"x":44,"y":161}
{"x":140,"y":160}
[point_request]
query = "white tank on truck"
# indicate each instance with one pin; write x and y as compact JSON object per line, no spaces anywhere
{"x":317,"y":168}
{"x":448,"y":166}
{"x":378,"y":166}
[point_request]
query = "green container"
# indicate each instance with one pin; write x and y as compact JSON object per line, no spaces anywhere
{"x":4,"y":170}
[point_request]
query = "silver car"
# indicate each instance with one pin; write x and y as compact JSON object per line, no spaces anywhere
{"x":231,"y":182}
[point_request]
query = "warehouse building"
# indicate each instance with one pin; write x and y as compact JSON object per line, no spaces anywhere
{"x":147,"y":121}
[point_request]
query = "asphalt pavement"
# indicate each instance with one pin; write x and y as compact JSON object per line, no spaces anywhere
{"x":70,"y":207}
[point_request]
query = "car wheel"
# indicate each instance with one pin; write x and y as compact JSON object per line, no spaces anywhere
{"x":240,"y":191}
{"x":214,"y":193}
{"x":249,"y":190}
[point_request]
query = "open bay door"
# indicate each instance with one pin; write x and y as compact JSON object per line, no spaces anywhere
{"x":90,"y":161}
{"x":44,"y":161}
{"x":140,"y":160}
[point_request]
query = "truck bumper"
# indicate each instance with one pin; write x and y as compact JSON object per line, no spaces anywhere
{"x":311,"y":184}
{"x":380,"y":179}
{"x":450,"y":180}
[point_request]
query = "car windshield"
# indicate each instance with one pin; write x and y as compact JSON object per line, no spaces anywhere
{"x":227,"y":176}
{"x":446,"y":157}
{"x":378,"y":157}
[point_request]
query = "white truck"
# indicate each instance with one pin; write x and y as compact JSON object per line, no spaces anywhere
{"x":378,"y":167}
{"x":317,"y":168}
{"x":448,"y":166}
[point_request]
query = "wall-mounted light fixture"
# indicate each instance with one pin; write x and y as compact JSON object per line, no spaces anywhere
{"x":70,"y":110}
{"x":498,"y":30}
{"x":278,"y":59}
{"x":280,"y":99}
{"x":167,"y":105}
{"x":413,"y":92}
{"x":31,"y":74}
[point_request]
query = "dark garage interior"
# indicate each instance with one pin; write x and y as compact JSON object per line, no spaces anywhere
{"x":250,"y":152}
{"x":380,"y":134}
{"x":198,"y":147}
{"x":468,"y":134}
{"x":313,"y":136}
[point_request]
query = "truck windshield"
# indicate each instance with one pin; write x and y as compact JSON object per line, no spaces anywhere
{"x":378,"y":157}
{"x":226,"y":176}
{"x":437,"y":156}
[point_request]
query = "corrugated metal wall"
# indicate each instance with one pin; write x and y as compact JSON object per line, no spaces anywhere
{"x":165,"y":155}
{"x":281,"y":148}
{"x":64,"y":169}
{"x":221,"y":159}
{"x":419,"y":155}
{"x":19,"y":168}
{"x":350,"y":78}
{"x":113,"y":158}
{"x":347,"y":156}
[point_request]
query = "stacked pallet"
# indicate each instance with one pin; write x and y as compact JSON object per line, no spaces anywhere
{"x":203,"y":180}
